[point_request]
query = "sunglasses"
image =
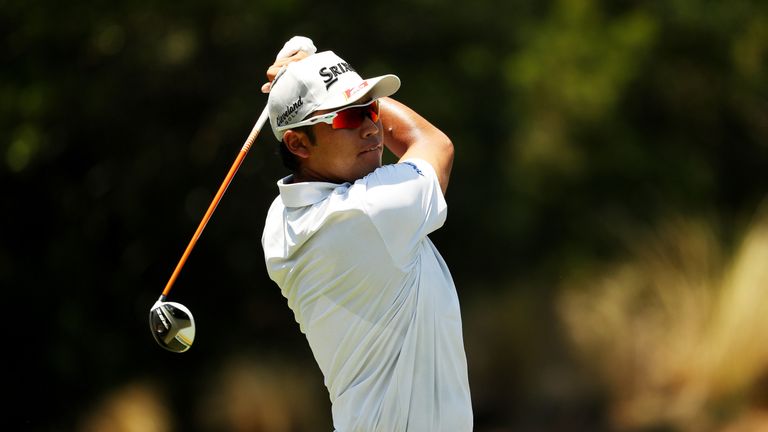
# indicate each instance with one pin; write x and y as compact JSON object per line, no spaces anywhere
{"x":350,"y":117}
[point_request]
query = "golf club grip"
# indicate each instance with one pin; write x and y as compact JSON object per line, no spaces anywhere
{"x":212,"y":207}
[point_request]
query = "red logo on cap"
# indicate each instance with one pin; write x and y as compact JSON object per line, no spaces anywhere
{"x":349,"y":92}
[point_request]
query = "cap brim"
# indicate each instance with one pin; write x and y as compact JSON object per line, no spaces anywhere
{"x":372,"y":88}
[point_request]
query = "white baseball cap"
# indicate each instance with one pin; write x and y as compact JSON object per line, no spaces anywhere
{"x":320,"y":81}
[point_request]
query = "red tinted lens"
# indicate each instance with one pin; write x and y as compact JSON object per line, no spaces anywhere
{"x":352,"y":118}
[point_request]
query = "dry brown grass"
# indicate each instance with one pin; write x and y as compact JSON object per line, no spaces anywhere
{"x":135,"y":407}
{"x":676,"y":334}
{"x":244,"y":394}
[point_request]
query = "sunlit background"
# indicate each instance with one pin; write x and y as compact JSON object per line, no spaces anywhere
{"x":607,"y":232}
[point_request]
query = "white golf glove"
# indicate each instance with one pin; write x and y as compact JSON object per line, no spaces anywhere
{"x":296,"y":44}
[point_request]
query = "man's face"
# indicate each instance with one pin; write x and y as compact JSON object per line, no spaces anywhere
{"x":344,"y":155}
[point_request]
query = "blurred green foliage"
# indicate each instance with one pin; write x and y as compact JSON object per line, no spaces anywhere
{"x":575,"y":122}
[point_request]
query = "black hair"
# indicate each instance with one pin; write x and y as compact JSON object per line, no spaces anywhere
{"x":289,"y":159}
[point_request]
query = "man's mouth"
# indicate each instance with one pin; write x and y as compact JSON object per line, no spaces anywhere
{"x":374,"y":148}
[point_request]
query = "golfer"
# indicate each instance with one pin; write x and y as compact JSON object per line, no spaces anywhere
{"x":346,"y":242}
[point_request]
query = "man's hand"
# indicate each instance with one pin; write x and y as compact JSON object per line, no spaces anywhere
{"x":277,"y":65}
{"x":297,"y":48}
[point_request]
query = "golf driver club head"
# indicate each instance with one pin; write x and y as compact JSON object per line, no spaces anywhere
{"x":172,"y":325}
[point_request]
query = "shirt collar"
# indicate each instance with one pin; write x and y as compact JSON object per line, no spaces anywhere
{"x":304,"y":193}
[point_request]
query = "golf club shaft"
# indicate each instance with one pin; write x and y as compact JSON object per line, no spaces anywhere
{"x":223,"y":188}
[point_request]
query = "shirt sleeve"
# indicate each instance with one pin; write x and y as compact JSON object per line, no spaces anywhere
{"x":405,"y":203}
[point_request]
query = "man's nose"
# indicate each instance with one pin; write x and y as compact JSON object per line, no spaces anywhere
{"x":369,"y":127}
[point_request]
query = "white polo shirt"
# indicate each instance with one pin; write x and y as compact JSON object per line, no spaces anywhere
{"x":374,"y":297}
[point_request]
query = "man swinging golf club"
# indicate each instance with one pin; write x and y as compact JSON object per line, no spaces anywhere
{"x":346,"y":242}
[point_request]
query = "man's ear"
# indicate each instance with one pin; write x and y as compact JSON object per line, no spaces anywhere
{"x":297,"y":143}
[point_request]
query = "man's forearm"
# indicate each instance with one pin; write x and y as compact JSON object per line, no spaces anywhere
{"x":407,"y":134}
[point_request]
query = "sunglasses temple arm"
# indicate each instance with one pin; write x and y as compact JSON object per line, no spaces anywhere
{"x":223,"y":188}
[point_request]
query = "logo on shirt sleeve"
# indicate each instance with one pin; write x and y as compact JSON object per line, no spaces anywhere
{"x":415,"y":168}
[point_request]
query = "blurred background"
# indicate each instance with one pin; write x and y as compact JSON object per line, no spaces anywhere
{"x":607,"y":231}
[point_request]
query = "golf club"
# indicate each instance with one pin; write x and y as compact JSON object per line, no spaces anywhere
{"x":172,"y":324}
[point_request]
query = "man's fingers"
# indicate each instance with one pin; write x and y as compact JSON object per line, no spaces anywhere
{"x":298,"y":55}
{"x":272,"y":72}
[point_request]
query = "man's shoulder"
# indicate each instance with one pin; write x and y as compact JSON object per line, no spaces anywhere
{"x":405,"y":169}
